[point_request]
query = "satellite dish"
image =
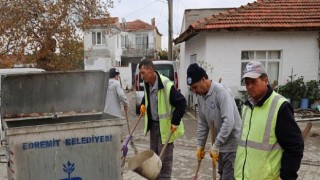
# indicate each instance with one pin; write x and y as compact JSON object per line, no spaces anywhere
{"x":124,"y":22}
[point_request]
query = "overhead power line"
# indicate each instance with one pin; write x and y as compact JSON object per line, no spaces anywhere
{"x":140,"y":8}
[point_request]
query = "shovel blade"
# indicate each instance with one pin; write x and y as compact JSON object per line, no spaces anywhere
{"x":147,"y":164}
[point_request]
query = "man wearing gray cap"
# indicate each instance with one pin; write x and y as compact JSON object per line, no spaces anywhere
{"x":270,"y":144}
{"x":218,"y":113}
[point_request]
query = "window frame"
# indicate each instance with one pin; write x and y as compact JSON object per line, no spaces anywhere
{"x":143,"y":44}
{"x":98,"y":38}
{"x":265,"y":61}
{"x":124,"y":42}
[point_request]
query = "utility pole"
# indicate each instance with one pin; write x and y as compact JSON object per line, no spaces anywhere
{"x":170,"y":31}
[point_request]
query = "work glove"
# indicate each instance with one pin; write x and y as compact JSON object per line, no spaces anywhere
{"x":142,"y":109}
{"x":214,"y":153}
{"x":200,"y":153}
{"x":173,"y":127}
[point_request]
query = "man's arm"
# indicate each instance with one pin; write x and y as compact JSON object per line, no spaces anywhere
{"x":225,"y":103}
{"x":122,"y":95}
{"x":179,"y":102}
{"x":289,"y":137}
{"x":203,"y":127}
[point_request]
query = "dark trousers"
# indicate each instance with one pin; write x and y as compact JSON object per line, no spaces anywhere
{"x":156,"y":146}
{"x":226,"y":165}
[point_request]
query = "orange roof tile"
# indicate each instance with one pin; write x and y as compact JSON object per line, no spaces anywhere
{"x":271,"y":15}
{"x":104,"y":21}
{"x":137,"y":25}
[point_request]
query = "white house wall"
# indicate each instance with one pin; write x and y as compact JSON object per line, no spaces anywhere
{"x":197,"y":47}
{"x":111,"y":51}
{"x":114,"y":46}
{"x":157,"y":40}
{"x":126,"y":76}
{"x":103,"y":64}
{"x":222,"y":50}
{"x":87,"y":40}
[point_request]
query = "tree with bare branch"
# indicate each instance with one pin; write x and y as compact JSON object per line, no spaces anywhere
{"x":47,"y":32}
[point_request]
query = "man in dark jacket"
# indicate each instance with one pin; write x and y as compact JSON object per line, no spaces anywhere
{"x":271,"y":145}
{"x":165,"y":107}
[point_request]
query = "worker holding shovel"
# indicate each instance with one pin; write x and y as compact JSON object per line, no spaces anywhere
{"x":163,"y":106}
{"x":218,"y":113}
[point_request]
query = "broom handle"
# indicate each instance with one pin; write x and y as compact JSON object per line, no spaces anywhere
{"x":136,"y":124}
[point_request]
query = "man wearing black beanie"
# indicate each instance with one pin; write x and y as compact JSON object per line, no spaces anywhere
{"x":218,"y":113}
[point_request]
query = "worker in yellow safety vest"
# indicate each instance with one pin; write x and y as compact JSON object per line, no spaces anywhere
{"x":271,"y":145}
{"x":163,"y":106}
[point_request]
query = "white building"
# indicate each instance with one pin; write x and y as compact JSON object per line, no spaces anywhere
{"x":102,"y":47}
{"x":281,"y":34}
{"x":108,"y":43}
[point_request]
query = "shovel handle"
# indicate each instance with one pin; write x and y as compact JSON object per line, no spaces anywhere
{"x":198,"y":168}
{"x":136,"y":124}
{"x":166,"y":144}
{"x":125,"y":144}
{"x":127,"y":121}
{"x":214,"y":170}
{"x":123,"y":161}
{"x":306,"y":131}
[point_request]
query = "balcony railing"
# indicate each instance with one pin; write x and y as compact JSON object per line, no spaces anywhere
{"x":137,"y":50}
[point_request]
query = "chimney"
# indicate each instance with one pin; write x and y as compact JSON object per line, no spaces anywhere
{"x":153,"y":22}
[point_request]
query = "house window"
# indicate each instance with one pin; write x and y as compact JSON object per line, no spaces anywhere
{"x":98,"y":38}
{"x":124,"y":41}
{"x":270,"y":60}
{"x":142,"y":41}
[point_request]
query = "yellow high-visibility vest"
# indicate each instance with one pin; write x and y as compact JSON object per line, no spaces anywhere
{"x":165,"y":112}
{"x":259,"y":153}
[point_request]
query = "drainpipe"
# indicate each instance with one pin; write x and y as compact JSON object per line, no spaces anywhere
{"x":319,"y":57}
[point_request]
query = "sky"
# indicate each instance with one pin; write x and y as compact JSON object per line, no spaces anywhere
{"x":145,"y":10}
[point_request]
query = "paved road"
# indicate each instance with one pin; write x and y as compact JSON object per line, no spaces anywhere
{"x":185,"y":157}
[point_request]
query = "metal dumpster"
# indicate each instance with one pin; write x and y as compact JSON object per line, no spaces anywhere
{"x":55,"y":128}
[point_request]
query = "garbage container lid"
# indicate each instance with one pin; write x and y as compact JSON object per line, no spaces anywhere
{"x":40,"y":94}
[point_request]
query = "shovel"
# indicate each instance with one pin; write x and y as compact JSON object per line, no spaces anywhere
{"x":198,"y":168}
{"x":124,"y":148}
{"x":147,"y":163}
{"x":127,"y":122}
{"x":214,"y":164}
{"x":165,"y":145}
{"x":214,"y":170}
{"x":306,"y":131}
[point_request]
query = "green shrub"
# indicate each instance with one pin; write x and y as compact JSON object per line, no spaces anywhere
{"x":294,"y":89}
{"x":312,"y":92}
